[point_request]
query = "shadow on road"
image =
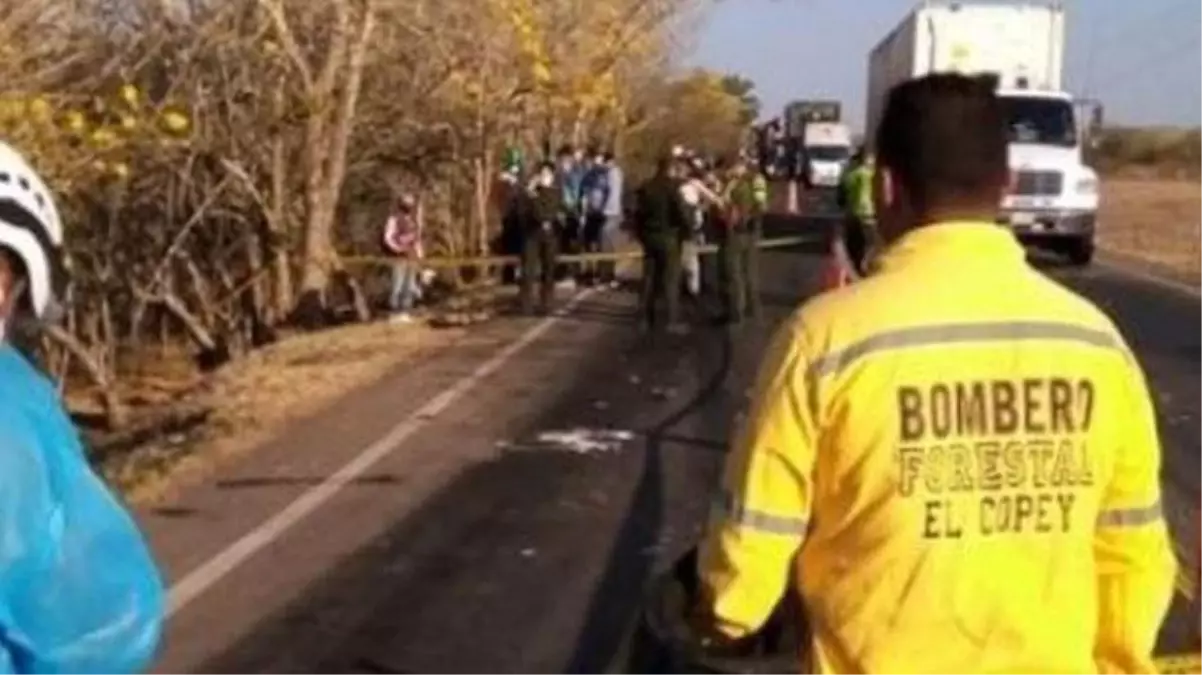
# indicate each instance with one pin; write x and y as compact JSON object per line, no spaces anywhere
{"x":628,"y":570}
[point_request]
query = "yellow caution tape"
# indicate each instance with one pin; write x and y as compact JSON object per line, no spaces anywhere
{"x":1179,"y":663}
{"x":492,"y":260}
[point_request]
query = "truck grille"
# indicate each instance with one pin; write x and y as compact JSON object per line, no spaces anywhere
{"x":1039,"y":183}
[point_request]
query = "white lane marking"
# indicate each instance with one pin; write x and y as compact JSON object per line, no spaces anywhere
{"x":198,"y":581}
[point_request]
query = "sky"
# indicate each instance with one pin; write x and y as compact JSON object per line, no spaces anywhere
{"x":1142,"y":58}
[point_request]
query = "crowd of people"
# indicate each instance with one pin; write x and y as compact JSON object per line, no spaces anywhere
{"x":691,"y":202}
{"x":570,"y":204}
{"x":577,"y":203}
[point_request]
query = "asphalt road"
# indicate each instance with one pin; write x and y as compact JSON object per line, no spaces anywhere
{"x":477,"y":542}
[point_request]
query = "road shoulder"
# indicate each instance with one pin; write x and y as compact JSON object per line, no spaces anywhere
{"x":454,"y":426}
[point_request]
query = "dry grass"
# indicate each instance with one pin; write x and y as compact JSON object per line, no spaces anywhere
{"x":1154,"y":220}
{"x":253,"y":399}
{"x":1165,"y":153}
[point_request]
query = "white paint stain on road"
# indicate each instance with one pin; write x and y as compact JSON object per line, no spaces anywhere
{"x":579,"y":441}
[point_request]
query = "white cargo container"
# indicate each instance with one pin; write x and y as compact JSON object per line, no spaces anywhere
{"x":1055,"y":196}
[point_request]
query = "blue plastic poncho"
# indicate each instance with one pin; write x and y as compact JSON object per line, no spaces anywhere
{"x":79,"y":591}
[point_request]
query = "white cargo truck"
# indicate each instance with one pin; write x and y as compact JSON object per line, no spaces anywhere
{"x":1054,"y":195}
{"x":827,"y":148}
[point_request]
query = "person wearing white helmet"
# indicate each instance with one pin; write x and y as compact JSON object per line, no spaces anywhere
{"x":79,"y":591}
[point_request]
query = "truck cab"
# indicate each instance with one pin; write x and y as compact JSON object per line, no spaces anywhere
{"x":827,"y":149}
{"x":1053,"y":197}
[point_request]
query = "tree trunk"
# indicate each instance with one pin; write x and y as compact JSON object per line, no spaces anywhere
{"x":275,"y":238}
{"x":254,"y":263}
{"x":329,"y":133}
{"x":214,"y":352}
{"x":116,"y":414}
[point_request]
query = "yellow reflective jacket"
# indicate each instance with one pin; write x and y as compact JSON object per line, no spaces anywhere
{"x":857,"y":190}
{"x":759,"y":187}
{"x":969,"y":454}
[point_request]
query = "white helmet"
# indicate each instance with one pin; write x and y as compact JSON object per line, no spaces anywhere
{"x":30,"y":227}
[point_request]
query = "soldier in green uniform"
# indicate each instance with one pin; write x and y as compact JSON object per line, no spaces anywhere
{"x":661,"y":224}
{"x":747,"y":194}
{"x":543,"y":226}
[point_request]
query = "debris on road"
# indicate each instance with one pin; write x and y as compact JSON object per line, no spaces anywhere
{"x":580,"y":441}
{"x":664,"y":393}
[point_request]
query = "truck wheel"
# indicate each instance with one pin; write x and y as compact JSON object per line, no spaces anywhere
{"x":1079,"y":251}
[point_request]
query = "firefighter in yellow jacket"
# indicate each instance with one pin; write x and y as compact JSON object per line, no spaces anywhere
{"x":955,"y":459}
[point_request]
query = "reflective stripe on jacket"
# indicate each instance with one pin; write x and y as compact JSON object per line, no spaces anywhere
{"x":969,"y":453}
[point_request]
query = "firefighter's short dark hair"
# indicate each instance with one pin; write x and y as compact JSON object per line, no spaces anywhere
{"x":943,"y":137}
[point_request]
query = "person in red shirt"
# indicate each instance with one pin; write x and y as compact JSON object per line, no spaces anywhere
{"x":402,"y":238}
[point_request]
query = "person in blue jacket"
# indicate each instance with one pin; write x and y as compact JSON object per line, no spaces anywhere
{"x":79,"y":591}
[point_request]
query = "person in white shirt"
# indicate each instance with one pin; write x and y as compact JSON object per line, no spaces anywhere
{"x":698,"y":198}
{"x":611,"y":234}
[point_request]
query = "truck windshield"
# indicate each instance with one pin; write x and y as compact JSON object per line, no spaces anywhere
{"x":1045,"y":121}
{"x":829,"y":153}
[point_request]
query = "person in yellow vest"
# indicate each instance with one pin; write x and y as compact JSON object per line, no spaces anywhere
{"x":859,"y":223}
{"x":954,"y":461}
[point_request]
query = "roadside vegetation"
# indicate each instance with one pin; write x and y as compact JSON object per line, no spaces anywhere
{"x":224,"y":166}
{"x":1165,"y":153}
{"x":1152,"y":197}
